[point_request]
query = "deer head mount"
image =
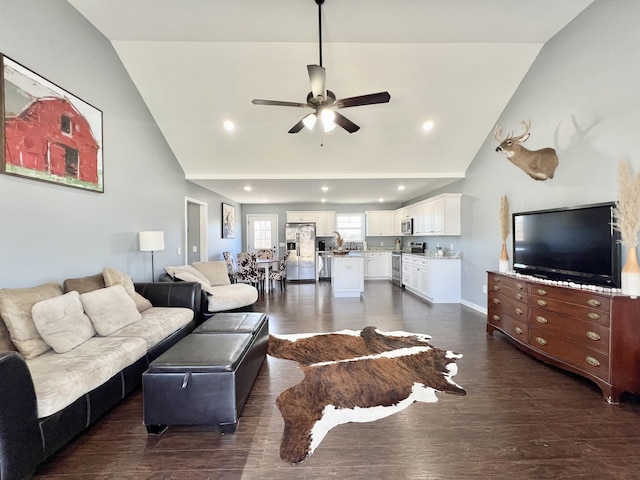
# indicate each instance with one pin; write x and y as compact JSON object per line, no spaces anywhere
{"x":538,"y":164}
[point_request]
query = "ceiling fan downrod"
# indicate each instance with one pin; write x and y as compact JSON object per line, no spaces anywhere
{"x":320,"y":2}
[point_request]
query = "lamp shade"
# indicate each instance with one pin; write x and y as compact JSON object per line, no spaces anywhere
{"x":151,"y":241}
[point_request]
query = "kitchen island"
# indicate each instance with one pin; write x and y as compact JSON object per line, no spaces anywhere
{"x":347,"y":275}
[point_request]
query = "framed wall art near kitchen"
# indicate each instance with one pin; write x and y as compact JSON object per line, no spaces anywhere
{"x":228,"y":221}
{"x":47,"y":133}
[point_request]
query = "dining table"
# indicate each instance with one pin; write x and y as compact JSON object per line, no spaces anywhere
{"x":266,"y":265}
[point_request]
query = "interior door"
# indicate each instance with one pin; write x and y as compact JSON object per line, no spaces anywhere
{"x":262,"y":232}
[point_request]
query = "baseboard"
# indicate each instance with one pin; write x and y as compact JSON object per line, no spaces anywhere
{"x":474,"y":306}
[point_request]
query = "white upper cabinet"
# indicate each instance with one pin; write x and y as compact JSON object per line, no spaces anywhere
{"x":437,"y":216}
{"x":380,"y":223}
{"x":325,"y":221}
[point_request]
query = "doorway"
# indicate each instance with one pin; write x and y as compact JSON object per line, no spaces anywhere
{"x":262,"y":232}
{"x":195,"y":241}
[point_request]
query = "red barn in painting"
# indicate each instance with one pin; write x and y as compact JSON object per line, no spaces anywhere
{"x":51,"y":136}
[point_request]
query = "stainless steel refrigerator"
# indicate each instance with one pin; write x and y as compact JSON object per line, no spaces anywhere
{"x":301,"y":245}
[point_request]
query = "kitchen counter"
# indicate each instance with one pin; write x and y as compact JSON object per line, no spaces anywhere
{"x":347,"y":275}
{"x":431,"y":254}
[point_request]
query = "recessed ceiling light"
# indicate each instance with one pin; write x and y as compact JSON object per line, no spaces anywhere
{"x":325,"y":189}
{"x":229,"y":126}
{"x":427,"y":126}
{"x":400,"y":187}
{"x":323,"y":200}
{"x":247,"y":188}
{"x":381,"y":199}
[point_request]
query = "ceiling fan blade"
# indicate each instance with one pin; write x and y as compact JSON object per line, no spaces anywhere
{"x":370,"y":99}
{"x":345,"y":123}
{"x":297,"y":127}
{"x":318,"y":79}
{"x":278,"y":103}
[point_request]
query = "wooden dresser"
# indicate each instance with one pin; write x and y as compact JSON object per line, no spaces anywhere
{"x":591,"y":333}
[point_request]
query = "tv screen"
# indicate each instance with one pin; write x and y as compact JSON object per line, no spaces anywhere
{"x":577,"y":244}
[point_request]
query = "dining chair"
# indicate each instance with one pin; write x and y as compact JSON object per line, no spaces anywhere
{"x":265,"y":253}
{"x":248,"y":271}
{"x":281,"y":273}
{"x":232,"y":266}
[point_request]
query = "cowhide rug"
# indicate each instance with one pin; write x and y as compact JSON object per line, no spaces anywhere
{"x":355,"y":376}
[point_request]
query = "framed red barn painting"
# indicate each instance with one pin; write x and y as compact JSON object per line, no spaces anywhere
{"x":47,"y":133}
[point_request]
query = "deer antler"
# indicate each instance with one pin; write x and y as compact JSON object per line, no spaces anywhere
{"x":527,"y":126}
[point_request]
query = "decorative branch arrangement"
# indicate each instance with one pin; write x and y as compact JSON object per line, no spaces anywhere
{"x":504,"y":233}
{"x":338,"y":239}
{"x":627,"y":210}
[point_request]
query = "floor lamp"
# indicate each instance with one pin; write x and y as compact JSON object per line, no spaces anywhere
{"x":149,"y":242}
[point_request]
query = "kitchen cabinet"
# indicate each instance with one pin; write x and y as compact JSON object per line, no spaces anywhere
{"x":399,"y":215}
{"x":439,"y":215}
{"x":380,"y":223}
{"x":325,"y":221}
{"x":437,"y":280}
{"x":591,"y":333}
{"x":347,"y":275}
{"x":377,"y":265}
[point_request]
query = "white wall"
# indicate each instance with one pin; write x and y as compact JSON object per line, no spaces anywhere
{"x":50,"y":232}
{"x":582,"y":95}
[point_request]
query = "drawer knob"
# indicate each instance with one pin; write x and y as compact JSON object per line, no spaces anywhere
{"x":593,"y":302}
{"x":519,"y":286}
{"x":592,"y":361}
{"x":541,"y":341}
{"x":542,"y":303}
{"x":496,"y":318}
{"x":496,"y":301}
{"x":518,"y":330}
{"x":593,"y":315}
{"x":593,"y":335}
{"x":519,"y":296}
{"x":541,"y":319}
{"x":519,"y":311}
{"x":496,"y":279}
{"x":542,"y":291}
{"x":496,"y":288}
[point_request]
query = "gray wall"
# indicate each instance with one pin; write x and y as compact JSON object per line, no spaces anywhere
{"x":50,"y":232}
{"x":582,"y":95}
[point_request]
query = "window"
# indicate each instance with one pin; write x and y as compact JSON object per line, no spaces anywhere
{"x":65,"y":125}
{"x":350,"y":226}
{"x":262,"y":234}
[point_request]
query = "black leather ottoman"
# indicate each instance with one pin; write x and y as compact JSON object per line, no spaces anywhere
{"x":234,"y":323}
{"x":205,"y":378}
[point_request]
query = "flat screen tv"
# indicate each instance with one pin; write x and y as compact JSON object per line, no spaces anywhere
{"x":577,"y":244}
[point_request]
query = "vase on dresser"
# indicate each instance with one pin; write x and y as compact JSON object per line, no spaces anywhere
{"x":631,"y":274}
{"x":503,"y":266}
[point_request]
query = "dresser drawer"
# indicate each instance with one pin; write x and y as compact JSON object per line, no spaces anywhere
{"x":509,"y":325}
{"x":582,"y":298}
{"x":589,"y":334}
{"x":506,"y":305}
{"x":509,"y":282}
{"x":515,"y":294}
{"x":586,"y":359}
{"x":586,"y":314}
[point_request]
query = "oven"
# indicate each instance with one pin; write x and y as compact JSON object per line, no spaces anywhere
{"x":396,"y":269}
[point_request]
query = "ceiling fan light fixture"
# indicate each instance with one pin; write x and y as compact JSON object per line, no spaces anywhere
{"x":309,"y":121}
{"x":328,"y":118}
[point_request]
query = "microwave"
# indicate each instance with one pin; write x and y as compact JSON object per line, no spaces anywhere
{"x":406,"y":226}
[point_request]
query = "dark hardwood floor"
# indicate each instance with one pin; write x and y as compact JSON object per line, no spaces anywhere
{"x":521,"y":419}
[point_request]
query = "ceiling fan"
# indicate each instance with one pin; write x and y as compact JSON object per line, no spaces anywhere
{"x":323,"y":101}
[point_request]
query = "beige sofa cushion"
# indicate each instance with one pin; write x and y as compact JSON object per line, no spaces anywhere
{"x":61,"y":322}
{"x":114,"y":277}
{"x":157,"y":323}
{"x":84,"y":284}
{"x":216,"y":272}
{"x":61,"y":378}
{"x":15,"y":310}
{"x":110,"y":309}
{"x":229,"y":297}
{"x":188,"y":273}
{"x":6,"y":345}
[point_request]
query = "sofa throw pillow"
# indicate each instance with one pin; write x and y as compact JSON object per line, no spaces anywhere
{"x":189,"y":277}
{"x":216,"y":272}
{"x":114,"y":277}
{"x":84,"y":284}
{"x":110,"y":309}
{"x":61,"y":322}
{"x":15,"y":310}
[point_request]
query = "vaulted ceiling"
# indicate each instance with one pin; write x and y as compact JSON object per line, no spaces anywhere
{"x":455,"y":63}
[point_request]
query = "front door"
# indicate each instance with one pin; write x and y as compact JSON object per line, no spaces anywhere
{"x":262,"y":232}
